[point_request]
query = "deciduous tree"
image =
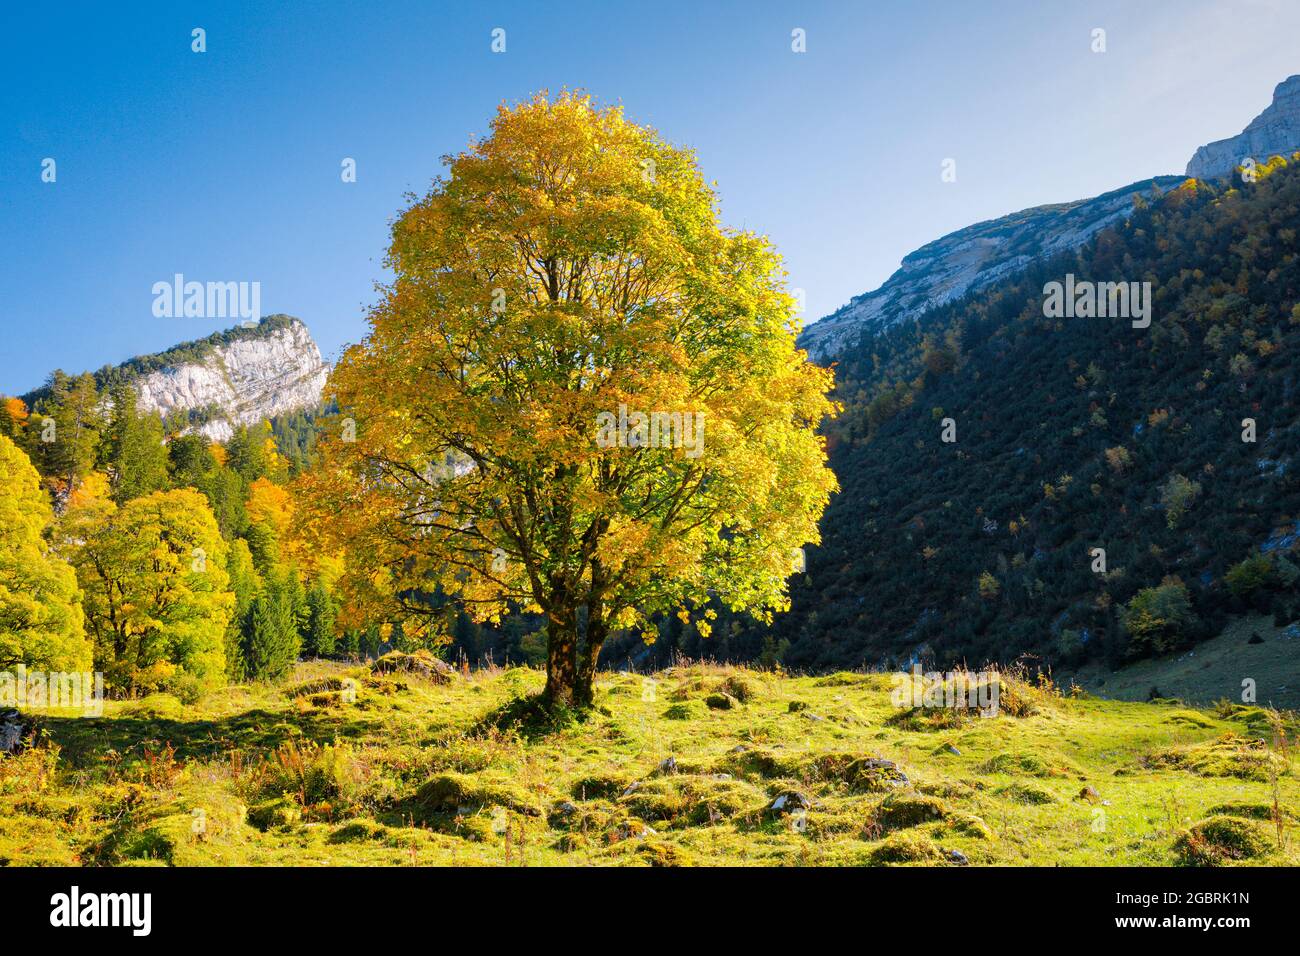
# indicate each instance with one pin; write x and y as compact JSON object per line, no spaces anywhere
{"x":568,"y":275}
{"x":40,"y":605}
{"x":157,"y":595}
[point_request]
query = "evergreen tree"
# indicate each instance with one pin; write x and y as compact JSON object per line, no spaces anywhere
{"x":190,"y":460}
{"x":320,"y":630}
{"x":226,"y":492}
{"x":244,"y":583}
{"x":64,"y":434}
{"x":247,"y":453}
{"x":272,"y":641}
{"x":137,"y":452}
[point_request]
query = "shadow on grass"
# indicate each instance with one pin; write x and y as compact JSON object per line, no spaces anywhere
{"x":532,"y":717}
{"x":84,"y":740}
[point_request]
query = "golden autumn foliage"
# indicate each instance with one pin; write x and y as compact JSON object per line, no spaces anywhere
{"x":17,"y":410}
{"x":94,"y":486}
{"x":156,"y":592}
{"x":566,"y":276}
{"x":269,"y":504}
{"x":41,"y":622}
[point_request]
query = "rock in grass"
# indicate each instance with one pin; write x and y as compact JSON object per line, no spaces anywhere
{"x":906,"y":847}
{"x":858,"y":773}
{"x":956,"y":857}
{"x":632,"y":830}
{"x":1216,"y":840}
{"x":901,"y":812}
{"x":14,"y":731}
{"x":721,"y":701}
{"x":274,"y":814}
{"x":563,"y":810}
{"x":449,"y":792}
{"x":790,"y":801}
{"x":421,"y":663}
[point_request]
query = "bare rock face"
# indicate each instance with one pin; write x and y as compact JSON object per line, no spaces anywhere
{"x":241,"y":382}
{"x":1274,"y":132}
{"x":970,"y":259}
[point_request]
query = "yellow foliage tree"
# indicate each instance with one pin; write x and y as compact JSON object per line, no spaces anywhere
{"x":580,"y":395}
{"x":157,"y":595}
{"x":41,"y":624}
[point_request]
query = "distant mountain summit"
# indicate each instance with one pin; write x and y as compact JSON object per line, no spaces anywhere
{"x":970,"y":259}
{"x":975,"y":257}
{"x":237,"y":377}
{"x":245,"y":376}
{"x":1274,"y":132}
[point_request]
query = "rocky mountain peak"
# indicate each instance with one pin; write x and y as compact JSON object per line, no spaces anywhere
{"x":970,"y":259}
{"x":1274,"y":132}
{"x":237,"y":377}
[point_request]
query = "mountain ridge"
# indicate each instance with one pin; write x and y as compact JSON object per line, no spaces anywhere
{"x":971,"y":258}
{"x":234,"y":377}
{"x":1275,"y":131}
{"x":974,"y":257}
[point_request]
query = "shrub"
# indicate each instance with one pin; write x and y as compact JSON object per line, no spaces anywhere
{"x":1218,"y":839}
{"x":906,"y":847}
{"x":1250,"y":576}
{"x":1158,"y":618}
{"x":1177,"y":495}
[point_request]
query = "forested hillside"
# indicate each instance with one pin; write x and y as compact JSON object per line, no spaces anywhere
{"x":1072,"y":435}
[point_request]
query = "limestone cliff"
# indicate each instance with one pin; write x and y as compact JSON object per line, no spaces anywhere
{"x":236,"y":378}
{"x":1274,"y":132}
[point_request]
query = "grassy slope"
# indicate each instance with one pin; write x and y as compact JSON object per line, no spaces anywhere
{"x":1009,"y":797}
{"x":1213,"y":670}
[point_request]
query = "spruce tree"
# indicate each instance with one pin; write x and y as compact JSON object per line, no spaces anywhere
{"x":137,"y":452}
{"x":244,"y":583}
{"x":272,"y":641}
{"x":320,"y":636}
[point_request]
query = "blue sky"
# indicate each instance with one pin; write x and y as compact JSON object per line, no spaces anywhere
{"x":225,"y":165}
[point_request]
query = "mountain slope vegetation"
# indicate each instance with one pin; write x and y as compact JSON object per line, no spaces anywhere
{"x":1071,"y":435}
{"x":1074,"y":434}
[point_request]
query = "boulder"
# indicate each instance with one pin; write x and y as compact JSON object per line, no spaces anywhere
{"x":421,"y":663}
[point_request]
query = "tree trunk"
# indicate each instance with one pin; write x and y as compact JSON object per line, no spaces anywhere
{"x":597,"y":629}
{"x":561,"y":657}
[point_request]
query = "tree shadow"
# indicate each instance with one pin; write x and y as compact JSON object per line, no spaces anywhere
{"x":83,"y":741}
{"x":532,"y":717}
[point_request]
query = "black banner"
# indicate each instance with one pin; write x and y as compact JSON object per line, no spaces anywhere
{"x":141,"y":907}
